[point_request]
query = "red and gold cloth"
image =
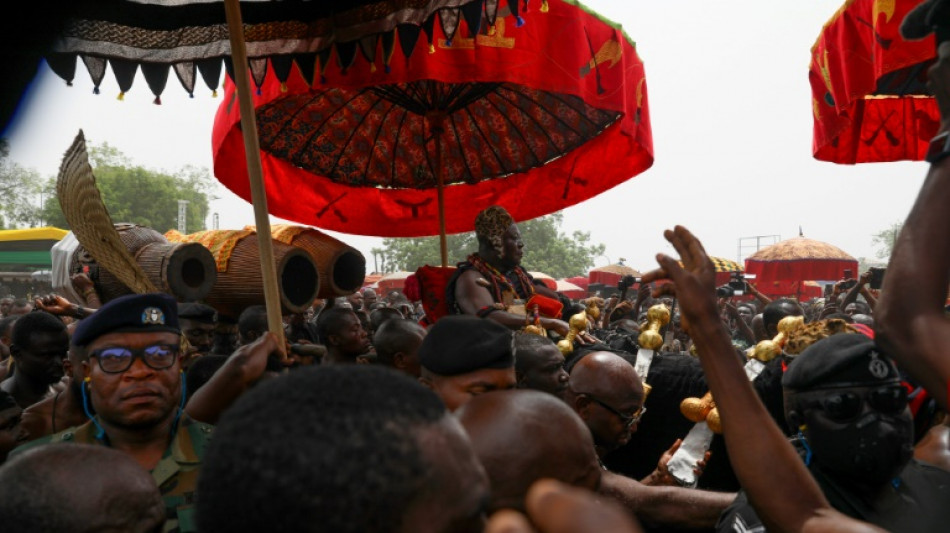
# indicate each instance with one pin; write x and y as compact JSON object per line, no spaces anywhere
{"x":869,"y":96}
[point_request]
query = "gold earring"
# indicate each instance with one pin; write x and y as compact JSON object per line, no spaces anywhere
{"x":87,"y":379}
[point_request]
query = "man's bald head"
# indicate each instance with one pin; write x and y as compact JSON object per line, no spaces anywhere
{"x":604,"y":374}
{"x":78,"y":488}
{"x":521,"y":436}
{"x":606,"y":392}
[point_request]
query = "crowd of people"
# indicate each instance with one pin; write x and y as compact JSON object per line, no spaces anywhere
{"x":512,"y":409}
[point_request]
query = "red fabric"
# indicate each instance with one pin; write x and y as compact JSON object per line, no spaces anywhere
{"x":432,"y":282}
{"x":604,"y":278}
{"x":787,"y":278}
{"x":566,"y":51}
{"x":580,"y":281}
{"x":867,"y":331}
{"x":860,"y":53}
{"x":548,"y":307}
{"x":411,"y":289}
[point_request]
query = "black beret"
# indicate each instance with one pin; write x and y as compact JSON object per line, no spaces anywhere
{"x":463,"y":343}
{"x":842,"y":359}
{"x":196,"y":311}
{"x":131,"y":313}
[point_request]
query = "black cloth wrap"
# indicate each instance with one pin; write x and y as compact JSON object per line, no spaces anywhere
{"x":462,"y":343}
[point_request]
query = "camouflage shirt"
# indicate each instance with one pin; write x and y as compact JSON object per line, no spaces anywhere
{"x":176,"y":474}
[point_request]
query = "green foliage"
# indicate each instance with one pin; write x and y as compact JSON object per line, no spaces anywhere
{"x":144,"y":196}
{"x":546,"y":249}
{"x":21,"y":190}
{"x":884,"y":240}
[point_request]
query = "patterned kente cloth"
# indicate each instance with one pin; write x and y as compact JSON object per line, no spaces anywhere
{"x":220,"y":242}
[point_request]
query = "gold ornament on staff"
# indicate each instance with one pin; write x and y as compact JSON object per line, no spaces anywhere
{"x":650,"y":339}
{"x":657,"y":317}
{"x":767,"y":350}
{"x":578,"y":323}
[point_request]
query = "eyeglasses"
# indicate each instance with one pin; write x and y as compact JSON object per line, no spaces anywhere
{"x":627,"y":420}
{"x":847,"y":405}
{"x":115,"y":359}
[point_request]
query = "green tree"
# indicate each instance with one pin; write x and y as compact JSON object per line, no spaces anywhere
{"x":21,"y":189}
{"x":884,"y":240}
{"x":144,"y":196}
{"x":546,"y":249}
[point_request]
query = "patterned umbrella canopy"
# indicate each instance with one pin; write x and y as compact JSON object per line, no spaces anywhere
{"x":191,"y":36}
{"x":196,"y":36}
{"x":535,"y":118}
{"x":782,"y":268}
{"x":869,"y":96}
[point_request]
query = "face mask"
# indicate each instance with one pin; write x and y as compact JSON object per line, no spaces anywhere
{"x":865,"y":435}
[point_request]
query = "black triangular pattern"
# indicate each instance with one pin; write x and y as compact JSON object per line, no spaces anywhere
{"x":229,"y":67}
{"x":156,"y":75}
{"x":368,"y":47}
{"x":282,"y":66}
{"x":429,"y":28}
{"x":187,"y":75}
{"x":210,"y":70}
{"x":346,"y":54}
{"x":64,"y":65}
{"x":491,"y":11}
{"x":258,"y":71}
{"x":124,"y":72}
{"x":307,"y":64}
{"x":389,"y":47}
{"x":513,"y":7}
{"x":324,"y":56}
{"x":449,"y":19}
{"x":472,"y":13}
{"x":97,"y":70}
{"x":408,"y":37}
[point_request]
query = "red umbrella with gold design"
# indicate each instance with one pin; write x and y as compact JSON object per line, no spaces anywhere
{"x":869,"y":96}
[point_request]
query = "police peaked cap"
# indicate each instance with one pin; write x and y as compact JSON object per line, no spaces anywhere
{"x":142,"y":313}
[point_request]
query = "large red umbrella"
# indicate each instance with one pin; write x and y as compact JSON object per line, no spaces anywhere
{"x":869,"y":96}
{"x":198,"y":35}
{"x":783,"y":268}
{"x":534,"y":118}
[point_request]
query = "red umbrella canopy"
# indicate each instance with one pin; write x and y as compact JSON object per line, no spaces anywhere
{"x":534,"y":117}
{"x":869,"y":96}
{"x":782,"y":268}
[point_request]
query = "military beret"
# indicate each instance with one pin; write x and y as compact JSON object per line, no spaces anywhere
{"x":196,"y":311}
{"x":131,"y":313}
{"x":840,"y":359}
{"x":460,"y":344}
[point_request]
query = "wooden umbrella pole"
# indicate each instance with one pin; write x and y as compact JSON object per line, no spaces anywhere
{"x":443,"y":247}
{"x":255,"y":172}
{"x":435,"y":120}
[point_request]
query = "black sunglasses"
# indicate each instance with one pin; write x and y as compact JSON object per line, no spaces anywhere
{"x":845,"y":406}
{"x":115,"y":359}
{"x":628,"y":420}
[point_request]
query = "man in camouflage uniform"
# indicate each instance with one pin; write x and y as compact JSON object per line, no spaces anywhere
{"x":133,"y":382}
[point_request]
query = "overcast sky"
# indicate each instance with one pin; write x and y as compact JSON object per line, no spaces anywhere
{"x":730,"y":107}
